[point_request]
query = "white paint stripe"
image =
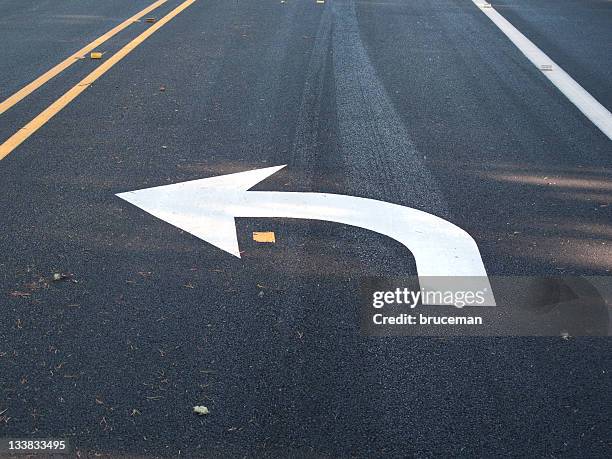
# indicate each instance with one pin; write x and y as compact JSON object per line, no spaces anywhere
{"x":587,"y":104}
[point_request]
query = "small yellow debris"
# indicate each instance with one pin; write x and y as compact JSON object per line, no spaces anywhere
{"x":150,"y":19}
{"x":201,"y":410}
{"x":267,"y":236}
{"x":96,"y":55}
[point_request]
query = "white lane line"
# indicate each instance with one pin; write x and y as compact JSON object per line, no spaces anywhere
{"x":586,"y":103}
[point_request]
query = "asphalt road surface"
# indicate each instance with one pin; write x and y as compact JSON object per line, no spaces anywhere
{"x":423,"y":104}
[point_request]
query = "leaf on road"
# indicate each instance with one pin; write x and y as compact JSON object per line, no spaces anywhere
{"x":200,"y":410}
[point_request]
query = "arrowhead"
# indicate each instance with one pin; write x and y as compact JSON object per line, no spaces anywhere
{"x":201,"y":207}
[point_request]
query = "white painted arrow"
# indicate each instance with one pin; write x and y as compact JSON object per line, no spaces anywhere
{"x":207,"y":207}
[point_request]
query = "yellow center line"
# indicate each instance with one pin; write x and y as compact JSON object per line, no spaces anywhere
{"x":16,"y":139}
{"x":38,"y":82}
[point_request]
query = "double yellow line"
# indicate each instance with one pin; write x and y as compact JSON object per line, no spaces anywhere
{"x":16,"y":139}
